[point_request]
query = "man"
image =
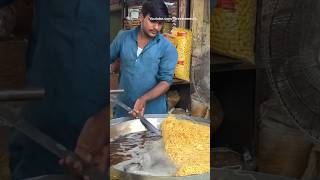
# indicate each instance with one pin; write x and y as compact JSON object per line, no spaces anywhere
{"x":67,"y":57}
{"x":147,"y":61}
{"x":126,"y":23}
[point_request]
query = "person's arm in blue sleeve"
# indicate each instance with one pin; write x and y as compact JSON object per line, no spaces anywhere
{"x":115,"y":53}
{"x":165,"y":77}
{"x":168,"y":65}
{"x":5,"y":2}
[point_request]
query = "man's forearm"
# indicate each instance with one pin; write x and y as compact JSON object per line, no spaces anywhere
{"x":95,"y":126}
{"x":161,"y":88}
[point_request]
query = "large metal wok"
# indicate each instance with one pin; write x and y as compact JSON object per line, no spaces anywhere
{"x":126,"y":125}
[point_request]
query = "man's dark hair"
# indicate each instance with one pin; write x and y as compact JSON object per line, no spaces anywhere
{"x":155,"y":8}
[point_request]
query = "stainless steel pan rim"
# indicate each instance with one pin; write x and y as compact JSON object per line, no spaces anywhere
{"x":179,"y":116}
{"x":117,"y":174}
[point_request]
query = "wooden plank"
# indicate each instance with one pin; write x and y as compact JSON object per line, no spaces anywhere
{"x":197,"y":12}
{"x":200,"y":26}
{"x":182,"y":13}
{"x":206,"y":29}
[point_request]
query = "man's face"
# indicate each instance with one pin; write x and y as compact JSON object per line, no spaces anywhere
{"x":149,"y":27}
{"x":127,"y":24}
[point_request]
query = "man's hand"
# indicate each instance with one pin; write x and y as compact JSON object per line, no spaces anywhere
{"x":139,"y":107}
{"x":91,"y":146}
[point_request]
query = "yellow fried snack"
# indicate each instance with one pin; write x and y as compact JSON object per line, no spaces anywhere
{"x":187,"y":145}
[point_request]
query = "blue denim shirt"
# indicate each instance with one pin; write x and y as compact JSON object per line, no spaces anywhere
{"x":138,"y":75}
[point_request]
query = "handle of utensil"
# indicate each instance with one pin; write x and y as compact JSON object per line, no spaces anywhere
{"x":52,"y":146}
{"x":21,"y":94}
{"x":39,"y":137}
{"x":143,"y":120}
{"x":121,"y":104}
{"x":149,"y":126}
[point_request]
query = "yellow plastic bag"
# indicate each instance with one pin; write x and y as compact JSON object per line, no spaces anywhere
{"x":183,"y":42}
{"x":233,"y":30}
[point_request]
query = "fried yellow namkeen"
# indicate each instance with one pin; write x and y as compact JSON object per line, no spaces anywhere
{"x":187,"y":145}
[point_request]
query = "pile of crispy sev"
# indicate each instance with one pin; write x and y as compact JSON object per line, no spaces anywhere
{"x":187,"y":145}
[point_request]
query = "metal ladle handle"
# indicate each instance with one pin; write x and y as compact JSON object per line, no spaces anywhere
{"x":143,"y":120}
{"x":21,"y":94}
{"x":50,"y":144}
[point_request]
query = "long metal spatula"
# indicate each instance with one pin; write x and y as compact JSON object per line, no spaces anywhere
{"x":51,"y":145}
{"x":143,"y":120}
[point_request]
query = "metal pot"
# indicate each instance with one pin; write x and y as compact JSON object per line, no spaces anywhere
{"x":126,"y":125}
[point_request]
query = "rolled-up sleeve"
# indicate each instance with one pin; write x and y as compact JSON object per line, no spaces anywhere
{"x":168,"y":64}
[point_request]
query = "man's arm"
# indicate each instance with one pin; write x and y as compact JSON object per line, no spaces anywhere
{"x":91,"y":146}
{"x":165,"y":76}
{"x":157,"y":91}
{"x":115,"y":66}
{"x":161,"y":88}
